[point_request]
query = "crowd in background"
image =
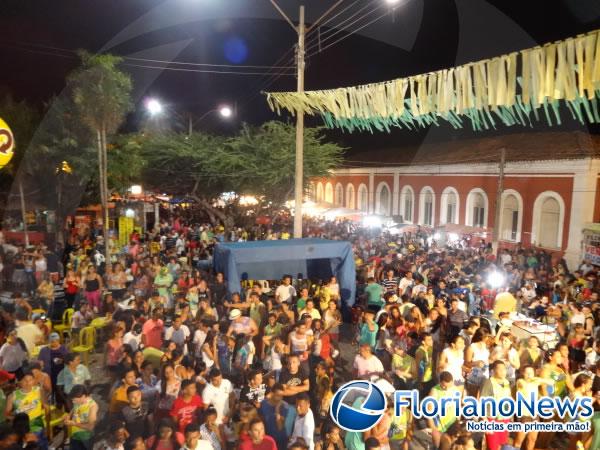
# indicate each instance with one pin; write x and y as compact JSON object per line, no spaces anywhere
{"x":190,"y":365}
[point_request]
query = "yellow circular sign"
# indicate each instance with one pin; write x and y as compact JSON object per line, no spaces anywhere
{"x":7,"y":144}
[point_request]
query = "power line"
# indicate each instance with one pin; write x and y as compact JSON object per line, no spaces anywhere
{"x":181,"y":69}
{"x":206,"y":64}
{"x":338,"y":28}
{"x":336,"y":15}
{"x":74,"y":52}
{"x":354,"y":31}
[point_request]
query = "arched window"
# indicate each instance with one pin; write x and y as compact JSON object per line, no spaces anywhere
{"x":407,"y":203}
{"x":350,"y":196}
{"x":383,"y":201}
{"x":339,"y":194}
{"x":363,"y":198}
{"x":426,"y":206}
{"x":449,"y":206}
{"x":477,"y":209}
{"x":319,"y":197}
{"x":548,"y":219}
{"x":329,"y":193}
{"x":512,"y":216}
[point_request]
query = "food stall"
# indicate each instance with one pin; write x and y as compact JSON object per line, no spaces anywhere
{"x":524,"y":327}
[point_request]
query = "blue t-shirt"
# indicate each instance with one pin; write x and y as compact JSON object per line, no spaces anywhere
{"x":267,"y":411}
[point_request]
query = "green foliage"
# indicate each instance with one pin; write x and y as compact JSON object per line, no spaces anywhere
{"x":101,"y":92}
{"x":258,"y":161}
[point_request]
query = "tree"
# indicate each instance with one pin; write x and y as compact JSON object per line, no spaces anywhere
{"x":102,"y":97}
{"x":270,"y":154}
{"x":258,"y":161}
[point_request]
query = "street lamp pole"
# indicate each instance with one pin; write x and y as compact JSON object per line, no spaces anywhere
{"x":301,"y":30}
{"x":155,"y":108}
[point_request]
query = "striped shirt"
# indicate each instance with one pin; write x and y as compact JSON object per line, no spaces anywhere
{"x":390,"y":285}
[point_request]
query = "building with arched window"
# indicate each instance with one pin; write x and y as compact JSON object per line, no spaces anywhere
{"x":476,"y":208}
{"x":339,"y":195}
{"x":407,"y":202}
{"x":329,"y":193}
{"x":362,"y":198}
{"x":426,"y":206}
{"x":384,"y":200}
{"x":551,"y":187}
{"x":449,"y":206}
{"x":350,"y":199}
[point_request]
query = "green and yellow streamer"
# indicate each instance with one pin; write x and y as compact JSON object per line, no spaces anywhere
{"x":518,"y":88}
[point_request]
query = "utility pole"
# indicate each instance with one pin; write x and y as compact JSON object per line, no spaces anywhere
{"x":301,"y":30}
{"x":498,"y":211}
{"x":299,"y":175}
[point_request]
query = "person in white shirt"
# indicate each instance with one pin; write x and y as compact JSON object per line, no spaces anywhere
{"x":219,"y":393}
{"x":311,"y":310}
{"x":285,"y":293}
{"x":506,"y":258}
{"x":405,"y":283}
{"x":528,"y":292}
{"x":178,"y":333}
{"x":134,"y":337}
{"x":304,"y":424}
{"x":193,"y":441}
{"x":585,"y":267}
{"x":28,"y":332}
{"x":366,"y":363}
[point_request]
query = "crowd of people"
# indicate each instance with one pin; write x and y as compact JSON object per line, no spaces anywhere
{"x":188,"y":365}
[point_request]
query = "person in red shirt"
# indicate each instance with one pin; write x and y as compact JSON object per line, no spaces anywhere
{"x":258,"y":439}
{"x":186,"y":406}
{"x":152,"y":330}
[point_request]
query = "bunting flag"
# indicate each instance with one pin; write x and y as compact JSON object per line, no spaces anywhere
{"x":518,"y":88}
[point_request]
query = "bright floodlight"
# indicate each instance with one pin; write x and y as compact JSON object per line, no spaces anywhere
{"x":136,"y":189}
{"x":372,"y":222}
{"x":391,"y":2}
{"x":130,"y":213}
{"x":154,"y":107}
{"x":226,"y":112}
{"x":496,"y":279}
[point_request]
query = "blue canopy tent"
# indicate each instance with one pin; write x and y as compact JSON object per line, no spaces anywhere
{"x":271,"y":260}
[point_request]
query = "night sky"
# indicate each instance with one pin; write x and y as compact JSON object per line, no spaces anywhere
{"x":37,"y":38}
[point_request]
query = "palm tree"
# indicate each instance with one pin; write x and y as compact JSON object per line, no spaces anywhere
{"x":102,"y":95}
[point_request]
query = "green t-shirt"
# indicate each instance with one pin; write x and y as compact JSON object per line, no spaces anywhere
{"x":403,"y":363}
{"x":374,"y":293}
{"x":301,"y":304}
{"x":2,"y":406}
{"x":367,"y":336}
{"x":354,"y":440}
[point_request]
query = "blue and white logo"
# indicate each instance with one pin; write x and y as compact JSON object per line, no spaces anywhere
{"x":358,"y":406}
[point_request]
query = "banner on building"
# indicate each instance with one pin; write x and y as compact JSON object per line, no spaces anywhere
{"x":126,"y":226}
{"x":591,"y":244}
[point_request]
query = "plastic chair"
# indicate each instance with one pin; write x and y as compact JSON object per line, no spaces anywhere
{"x":52,"y":419}
{"x":87,"y":343}
{"x":65,"y":325}
{"x":36,"y":351}
{"x":153,"y":355}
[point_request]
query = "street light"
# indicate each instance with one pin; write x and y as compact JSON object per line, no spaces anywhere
{"x":226,"y":112}
{"x":154,"y":106}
